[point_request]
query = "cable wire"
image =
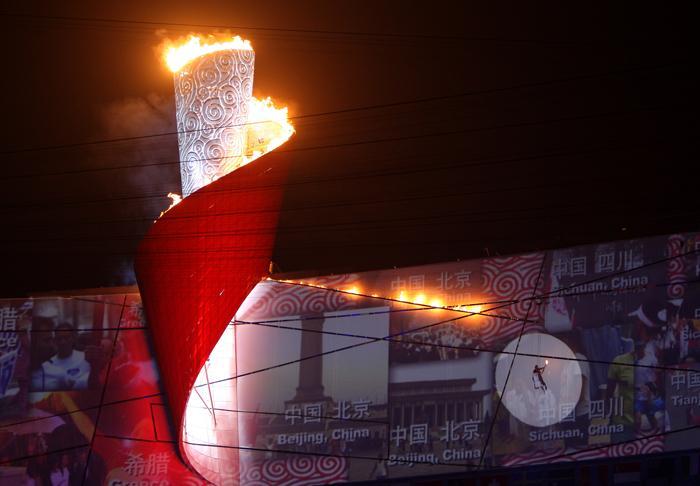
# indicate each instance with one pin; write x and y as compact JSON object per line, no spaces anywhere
{"x":535,"y":297}
{"x":401,"y":171}
{"x":430,"y":99}
{"x":512,"y":362}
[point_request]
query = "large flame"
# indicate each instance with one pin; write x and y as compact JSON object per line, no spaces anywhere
{"x":267,"y":126}
{"x":177,"y":56}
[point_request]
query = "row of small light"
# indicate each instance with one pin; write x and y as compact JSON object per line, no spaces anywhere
{"x":418,"y":299}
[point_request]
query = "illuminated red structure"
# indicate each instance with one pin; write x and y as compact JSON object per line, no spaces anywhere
{"x":198,"y":263}
{"x":425,"y":391}
{"x":203,"y":257}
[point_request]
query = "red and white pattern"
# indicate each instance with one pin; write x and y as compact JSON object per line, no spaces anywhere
{"x":635,"y":448}
{"x":536,"y":457}
{"x":299,"y":470}
{"x":279,"y":299}
{"x":511,"y":278}
{"x":675,"y":268}
{"x":649,"y":443}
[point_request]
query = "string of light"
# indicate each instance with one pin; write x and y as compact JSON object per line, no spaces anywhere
{"x":451,"y":320}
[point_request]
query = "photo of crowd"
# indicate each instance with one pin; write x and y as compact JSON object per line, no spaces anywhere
{"x":64,"y":346}
{"x":439,"y":343}
{"x":43,"y":467}
{"x":628,"y":313}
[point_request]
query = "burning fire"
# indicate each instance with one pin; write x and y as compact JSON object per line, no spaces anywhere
{"x":267,"y":126}
{"x":177,"y":56}
{"x":175,"y":198}
{"x":419,"y":299}
{"x":476,"y":308}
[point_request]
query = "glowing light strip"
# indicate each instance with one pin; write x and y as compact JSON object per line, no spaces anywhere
{"x":474,"y":308}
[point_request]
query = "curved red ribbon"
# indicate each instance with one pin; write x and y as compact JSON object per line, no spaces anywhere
{"x":197,"y":264}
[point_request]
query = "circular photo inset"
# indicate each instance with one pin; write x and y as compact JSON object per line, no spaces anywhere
{"x":540,"y":391}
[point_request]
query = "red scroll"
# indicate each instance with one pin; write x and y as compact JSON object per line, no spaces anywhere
{"x":197,"y":264}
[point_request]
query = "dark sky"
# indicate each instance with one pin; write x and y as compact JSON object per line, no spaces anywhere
{"x":507,"y":130}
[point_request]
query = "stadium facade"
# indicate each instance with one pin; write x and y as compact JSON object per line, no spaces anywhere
{"x":384,"y":375}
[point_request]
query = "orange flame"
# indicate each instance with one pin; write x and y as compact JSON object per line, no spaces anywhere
{"x":267,"y":126}
{"x":177,"y":56}
{"x":476,"y":309}
{"x":175,"y":198}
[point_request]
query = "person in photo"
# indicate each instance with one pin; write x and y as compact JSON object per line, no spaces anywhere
{"x":67,"y":369}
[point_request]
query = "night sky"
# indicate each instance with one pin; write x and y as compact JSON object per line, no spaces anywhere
{"x":427,"y":132}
